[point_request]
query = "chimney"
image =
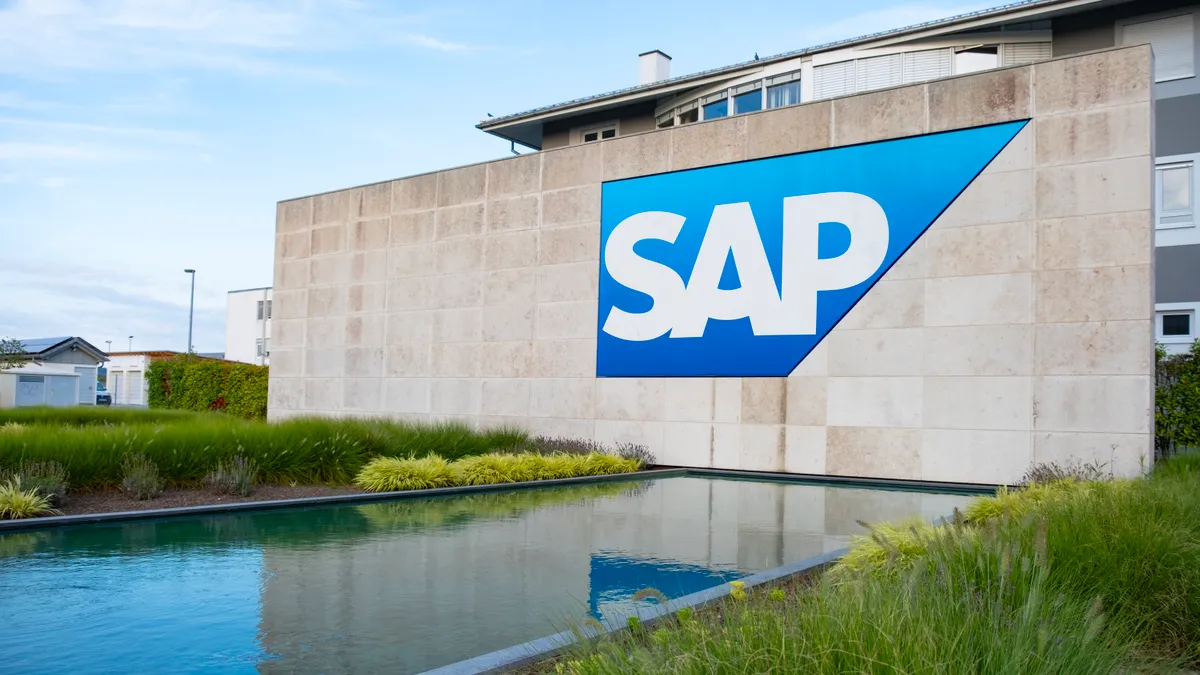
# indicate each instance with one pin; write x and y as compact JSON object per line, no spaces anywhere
{"x":653,"y":66}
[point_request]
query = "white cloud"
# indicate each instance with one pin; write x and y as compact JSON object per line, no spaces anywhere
{"x":420,"y":40}
{"x":29,"y":151}
{"x":15,"y":101}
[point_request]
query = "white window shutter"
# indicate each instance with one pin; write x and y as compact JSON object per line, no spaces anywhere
{"x":834,"y":79}
{"x":1014,"y":54}
{"x":1172,"y":40}
{"x":878,"y":72}
{"x":929,"y":64}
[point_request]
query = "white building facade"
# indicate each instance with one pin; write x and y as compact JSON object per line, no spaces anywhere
{"x":127,"y":378}
{"x":248,"y":326}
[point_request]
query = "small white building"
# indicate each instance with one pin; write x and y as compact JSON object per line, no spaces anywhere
{"x":248,"y":326}
{"x":58,"y":371}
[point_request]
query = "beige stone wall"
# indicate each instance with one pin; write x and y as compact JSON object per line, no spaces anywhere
{"x":1018,"y":329}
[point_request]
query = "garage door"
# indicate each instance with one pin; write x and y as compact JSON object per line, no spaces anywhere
{"x":31,"y":390}
{"x":116,"y":385}
{"x":62,"y":390}
{"x":136,"y":386}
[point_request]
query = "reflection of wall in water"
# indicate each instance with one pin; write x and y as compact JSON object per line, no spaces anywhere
{"x":499,"y":582}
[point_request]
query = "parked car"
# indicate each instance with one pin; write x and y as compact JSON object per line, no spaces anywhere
{"x":103,"y":396}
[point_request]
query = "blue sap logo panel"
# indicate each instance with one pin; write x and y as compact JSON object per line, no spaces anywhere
{"x":740,"y":270}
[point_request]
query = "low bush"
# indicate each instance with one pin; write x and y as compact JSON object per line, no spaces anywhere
{"x":187,"y":382}
{"x":82,"y":416}
{"x":385,"y":474}
{"x":18,"y":502}
{"x":140,"y":480}
{"x":388,"y":474}
{"x":48,"y":479}
{"x":234,"y":476}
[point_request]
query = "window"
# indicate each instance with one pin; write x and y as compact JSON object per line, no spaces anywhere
{"x":1172,"y":40}
{"x":1176,"y":325}
{"x":747,"y":98}
{"x":927,"y":64}
{"x":783,"y":90}
{"x":975,"y":59}
{"x":689,"y":116}
{"x":1175,"y":194}
{"x":258,"y":347}
{"x":879,"y":72}
{"x":268,"y":309}
{"x":1016,"y":53}
{"x":665,"y":120}
{"x":714,"y":110}
{"x":834,"y":79}
{"x":605,"y":131}
{"x":259,"y":316}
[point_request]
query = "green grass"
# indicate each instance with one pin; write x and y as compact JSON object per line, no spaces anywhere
{"x":97,"y":415}
{"x":384,"y":474}
{"x":187,"y":446}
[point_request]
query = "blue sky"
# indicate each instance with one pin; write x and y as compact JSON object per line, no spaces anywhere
{"x":140,"y":137}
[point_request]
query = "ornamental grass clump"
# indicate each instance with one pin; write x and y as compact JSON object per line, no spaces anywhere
{"x":48,"y":479}
{"x":234,"y":476}
{"x":389,"y":474}
{"x":141,"y":479}
{"x":18,"y":502}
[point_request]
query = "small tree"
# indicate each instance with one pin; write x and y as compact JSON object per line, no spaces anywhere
{"x":11,"y":353}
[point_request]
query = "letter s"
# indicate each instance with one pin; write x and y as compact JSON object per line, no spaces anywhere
{"x":656,"y":280}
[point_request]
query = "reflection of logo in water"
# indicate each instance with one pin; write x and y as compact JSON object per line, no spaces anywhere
{"x":614,"y":578}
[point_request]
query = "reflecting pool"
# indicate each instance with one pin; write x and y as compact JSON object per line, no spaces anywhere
{"x":402,"y":586}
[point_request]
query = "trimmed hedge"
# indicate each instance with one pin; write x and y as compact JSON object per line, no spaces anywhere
{"x":1177,"y":398}
{"x":188,"y":382}
{"x":384,"y":474}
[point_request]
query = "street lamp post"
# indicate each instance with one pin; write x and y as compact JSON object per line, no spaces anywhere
{"x":109,"y":343}
{"x":191,"y":308}
{"x":130,"y":343}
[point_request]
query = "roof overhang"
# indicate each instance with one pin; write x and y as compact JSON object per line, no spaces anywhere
{"x":526,"y":127}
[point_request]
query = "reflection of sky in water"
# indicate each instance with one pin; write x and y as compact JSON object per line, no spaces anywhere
{"x":402,"y":586}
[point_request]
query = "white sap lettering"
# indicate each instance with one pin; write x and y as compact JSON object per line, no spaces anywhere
{"x":629,"y":269}
{"x":684,"y":311}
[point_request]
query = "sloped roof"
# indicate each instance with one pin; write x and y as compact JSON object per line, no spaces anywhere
{"x":45,"y":347}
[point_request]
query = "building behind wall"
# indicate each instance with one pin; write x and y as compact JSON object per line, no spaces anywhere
{"x":58,"y":371}
{"x":248,"y":326}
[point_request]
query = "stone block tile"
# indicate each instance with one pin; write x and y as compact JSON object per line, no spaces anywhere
{"x":464,"y":324}
{"x":891,"y":113}
{"x":408,"y":294}
{"x":1108,"y":78}
{"x":456,"y":290}
{"x":287,"y":333}
{"x":462,"y":185}
{"x":1125,"y":455}
{"x":329,"y":270}
{"x":1105,"y":240}
{"x":979,"y":350}
{"x":455,"y":396}
{"x":364,"y":330}
{"x":563,"y":397}
{"x":513,"y":358}
{"x":783,"y":131}
{"x":1096,"y":348}
{"x":639,"y":155}
{"x":1093,"y":403}
{"x":727,"y":446}
{"x":689,"y":399}
{"x":329,"y":239}
{"x":455,"y":359}
{"x":686,"y":444}
{"x":869,"y":452}
{"x":366,"y":297}
{"x":290,"y":304}
{"x":510,"y":249}
{"x":998,"y":248}
{"x":816,"y":363}
{"x":980,"y":98}
{"x":286,"y":363}
{"x":570,"y":207}
{"x":285,"y":392}
{"x":458,"y":255}
{"x":706,"y":143}
{"x":371,"y":201}
{"x":805,"y":449}
{"x":408,"y":359}
{"x":565,"y":358}
{"x":507,"y":396}
{"x":764,"y":400}
{"x":369,"y":234}
{"x":410,"y":261}
{"x":410,"y":326}
{"x":556,"y":320}
{"x":1095,"y":294}
{"x":416,"y":193}
{"x":806,"y":401}
{"x":571,"y":166}
{"x":331,"y":207}
{"x":980,"y":300}
{"x":1097,"y":187}
{"x":324,"y":332}
{"x":884,"y":352}
{"x":322,"y":393}
{"x":406,"y":395}
{"x":994,"y":197}
{"x":514,"y":176}
{"x":503,"y":323}
{"x":874,"y":401}
{"x":510,"y":287}
{"x":363,"y":394}
{"x":291,"y":274}
{"x":416,"y":227}
{"x":328,"y":362}
{"x":514,"y":213}
{"x":569,"y":244}
{"x":326,"y":301}
{"x":1017,"y":155}
{"x":1107,"y":133}
{"x":727,"y":399}
{"x":764,"y":447}
{"x":911,"y":264}
{"x":889,"y":304}
{"x":294,"y":215}
{"x":294,"y":246}
{"x":631,"y":398}
{"x":975,"y":456}
{"x":568,"y":281}
{"x":368,"y":266}
{"x":993,"y":403}
{"x":614,"y":432}
{"x":459,"y":221}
